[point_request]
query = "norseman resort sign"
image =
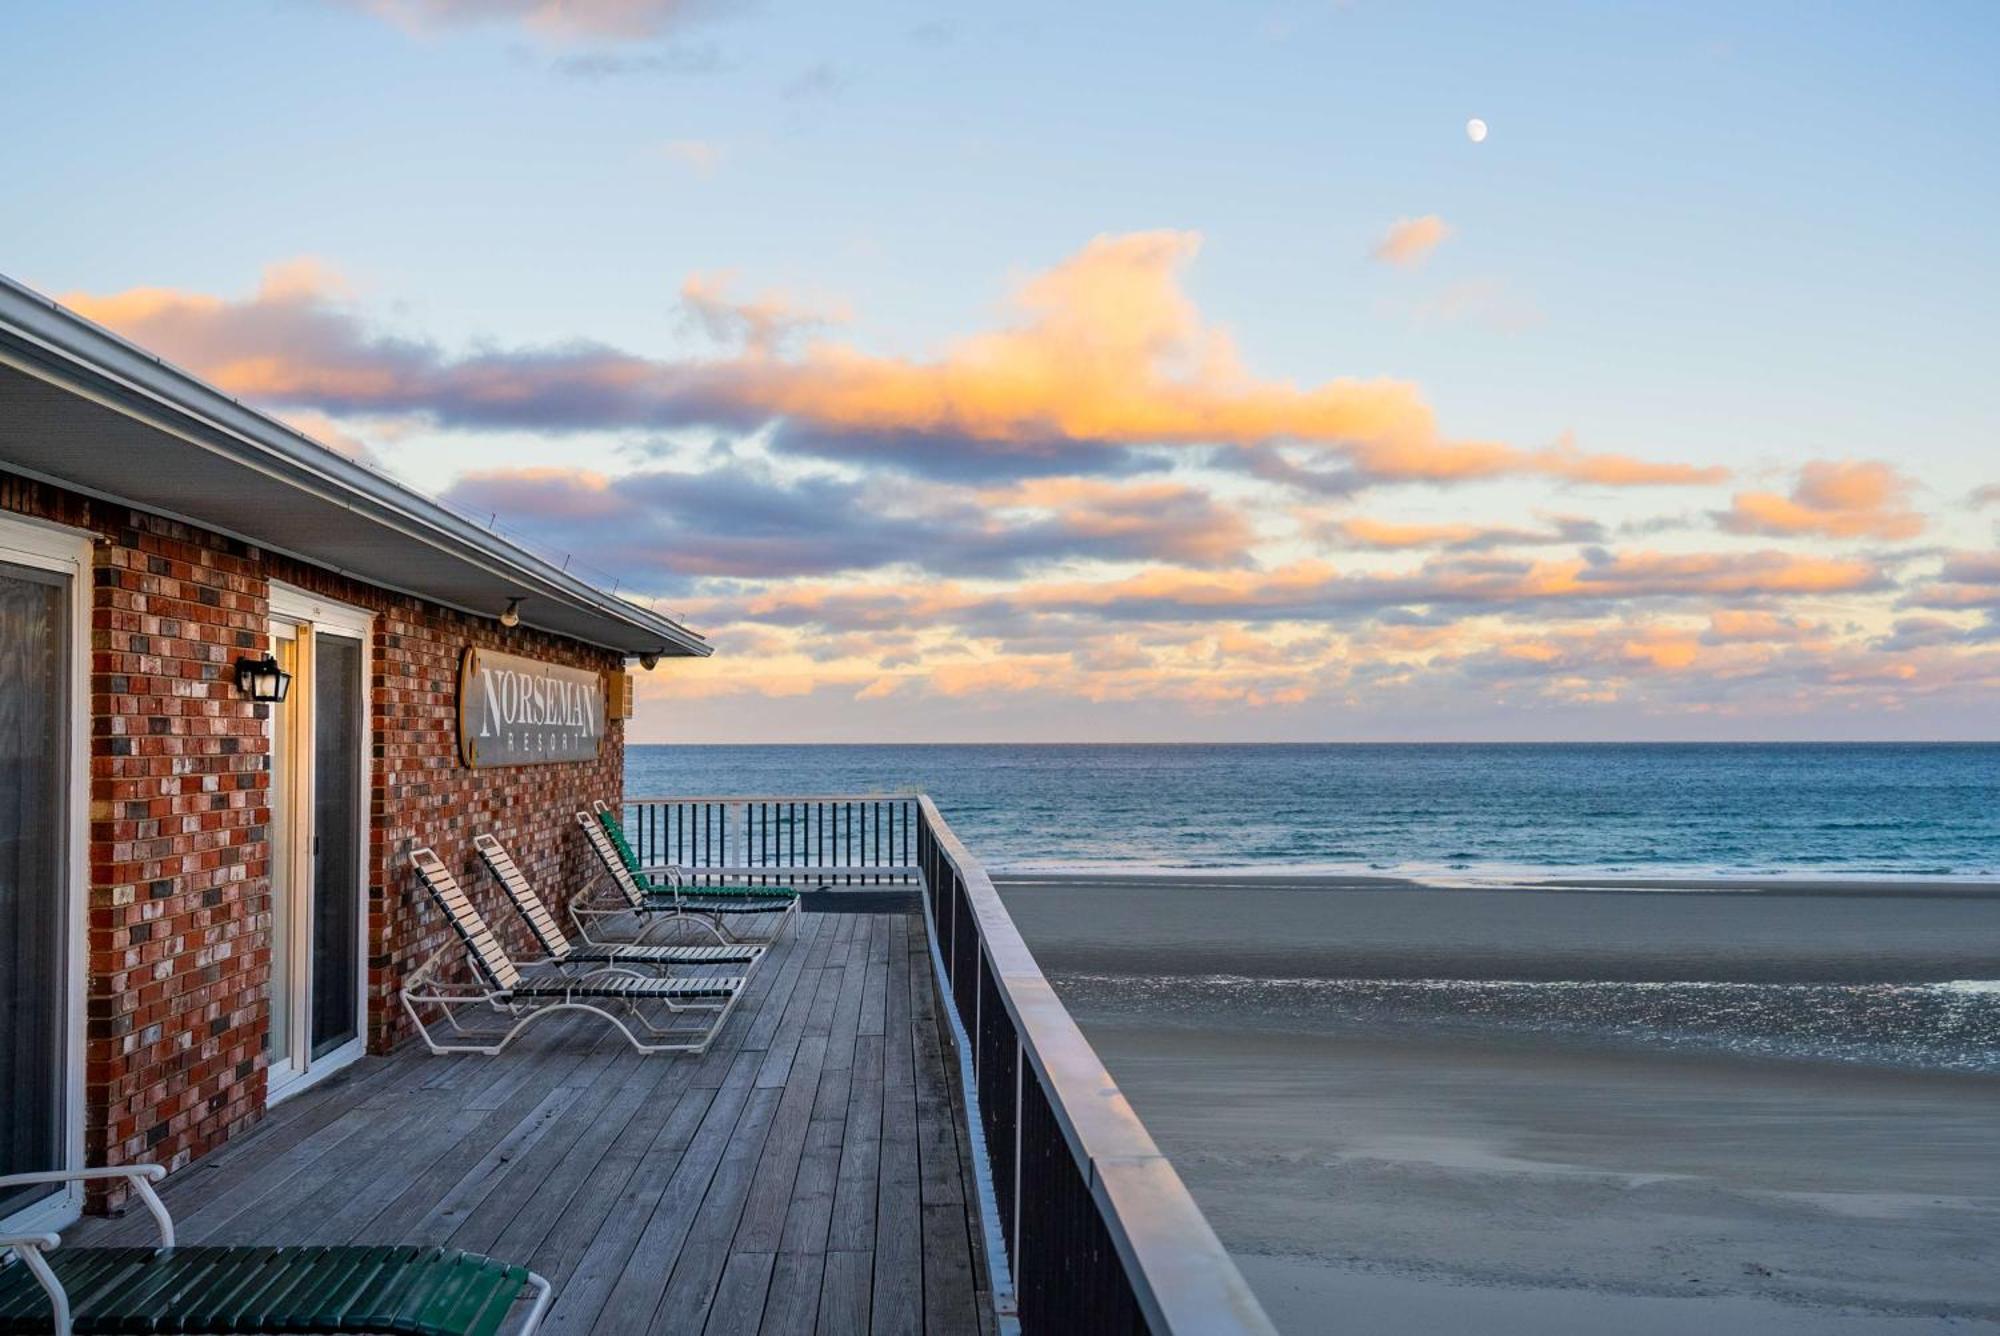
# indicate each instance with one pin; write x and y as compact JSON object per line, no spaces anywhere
{"x":516,"y":711}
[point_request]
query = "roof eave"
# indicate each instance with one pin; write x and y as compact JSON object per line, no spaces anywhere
{"x":116,"y":372}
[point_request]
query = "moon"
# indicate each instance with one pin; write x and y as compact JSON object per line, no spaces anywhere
{"x":1475,"y":130}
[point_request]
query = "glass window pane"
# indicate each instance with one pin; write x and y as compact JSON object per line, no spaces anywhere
{"x":336,"y":957}
{"x":34,"y":779}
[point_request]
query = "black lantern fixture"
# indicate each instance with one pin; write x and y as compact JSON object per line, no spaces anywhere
{"x":262,"y":679}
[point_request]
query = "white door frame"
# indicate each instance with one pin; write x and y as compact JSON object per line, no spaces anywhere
{"x":321,"y":616}
{"x":65,"y":551}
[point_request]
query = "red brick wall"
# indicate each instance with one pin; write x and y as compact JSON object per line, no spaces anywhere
{"x":179,"y":914}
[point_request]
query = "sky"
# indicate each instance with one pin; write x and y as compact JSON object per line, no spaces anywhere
{"x":1114,"y":372}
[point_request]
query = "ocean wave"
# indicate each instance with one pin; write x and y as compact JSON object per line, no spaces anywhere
{"x":1948,"y":1026}
{"x":1625,"y":877}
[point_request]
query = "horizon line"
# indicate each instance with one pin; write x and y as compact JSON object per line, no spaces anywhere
{"x":1367,"y":742}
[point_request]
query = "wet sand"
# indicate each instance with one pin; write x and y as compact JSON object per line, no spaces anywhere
{"x":1431,"y":1179}
{"x":1385,"y":928}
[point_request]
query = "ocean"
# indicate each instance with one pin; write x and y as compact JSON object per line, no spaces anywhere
{"x":1454,"y":813}
{"x":1895,"y":968}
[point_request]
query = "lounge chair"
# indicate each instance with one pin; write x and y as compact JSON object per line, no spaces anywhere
{"x":675,"y":904}
{"x":501,"y":985}
{"x":426,"y":1291}
{"x":665,"y":878}
{"x":562,"y":951}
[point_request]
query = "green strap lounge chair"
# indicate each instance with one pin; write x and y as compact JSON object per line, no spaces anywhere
{"x":141,"y":1291}
{"x":632,"y":1001}
{"x":666,"y":878}
{"x":718,"y":914}
{"x":562,"y":951}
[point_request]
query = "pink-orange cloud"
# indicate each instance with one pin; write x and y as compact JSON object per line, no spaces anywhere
{"x":596,"y":19}
{"x":1106,"y":353}
{"x":1410,"y":241}
{"x":1308,"y":590}
{"x":1831,"y":499}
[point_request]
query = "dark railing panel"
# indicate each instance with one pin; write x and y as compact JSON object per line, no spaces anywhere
{"x":997,"y":1068}
{"x":964,"y":955}
{"x":1101,"y":1234}
{"x":1067,"y":1274}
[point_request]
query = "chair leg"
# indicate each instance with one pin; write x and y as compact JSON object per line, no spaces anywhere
{"x":545,"y":1294}
{"x":45,"y":1276}
{"x":494,"y":1047}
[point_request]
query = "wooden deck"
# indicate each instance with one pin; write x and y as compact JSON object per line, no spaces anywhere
{"x":810,"y":1173}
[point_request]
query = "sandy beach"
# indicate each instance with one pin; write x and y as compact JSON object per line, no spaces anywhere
{"x":1542,"y":1165}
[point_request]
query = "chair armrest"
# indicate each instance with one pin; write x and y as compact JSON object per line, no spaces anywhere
{"x":45,"y":1242}
{"x":141,"y":1176}
{"x":151,"y":1172}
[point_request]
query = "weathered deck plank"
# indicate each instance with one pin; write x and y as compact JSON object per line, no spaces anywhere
{"x":897,"y":1307}
{"x":801,"y":1176}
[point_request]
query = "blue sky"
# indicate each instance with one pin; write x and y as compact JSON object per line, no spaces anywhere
{"x":1717,"y":236}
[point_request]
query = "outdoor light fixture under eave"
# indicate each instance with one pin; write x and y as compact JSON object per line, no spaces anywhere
{"x":512,"y":617}
{"x":262,"y":679}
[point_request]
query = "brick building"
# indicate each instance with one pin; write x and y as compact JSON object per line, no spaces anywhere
{"x":204,"y":900}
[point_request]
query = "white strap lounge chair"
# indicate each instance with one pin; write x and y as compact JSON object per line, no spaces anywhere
{"x":423,"y":1291}
{"x":562,"y":951}
{"x":710,"y":912}
{"x":615,"y":993}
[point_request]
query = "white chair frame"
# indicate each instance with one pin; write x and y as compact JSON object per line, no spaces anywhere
{"x":490,"y":989}
{"x":422,"y":989}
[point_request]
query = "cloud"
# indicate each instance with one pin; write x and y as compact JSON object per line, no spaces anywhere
{"x":1981,"y":497}
{"x":1378,"y":679}
{"x":1916,"y":633}
{"x":1105,"y":354}
{"x":1309,"y":591}
{"x":1388,"y":536}
{"x":597,"y":66}
{"x":565,"y":19}
{"x":1314,"y":589}
{"x":701,"y":155}
{"x":742,"y":521}
{"x":1489,"y":303}
{"x":816,"y":83}
{"x":1131,"y":520}
{"x":1831,"y":499}
{"x":1727,"y":625}
{"x":1410,"y":241}
{"x":759,"y":323}
{"x":1966,"y":582}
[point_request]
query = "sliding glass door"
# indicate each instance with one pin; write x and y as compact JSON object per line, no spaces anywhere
{"x":319,"y":749}
{"x":37,"y":861}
